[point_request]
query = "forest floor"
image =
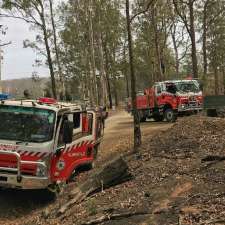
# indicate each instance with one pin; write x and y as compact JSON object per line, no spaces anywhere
{"x":178,"y":178}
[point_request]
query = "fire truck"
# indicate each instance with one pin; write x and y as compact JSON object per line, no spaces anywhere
{"x":168,"y":99}
{"x":43,"y":142}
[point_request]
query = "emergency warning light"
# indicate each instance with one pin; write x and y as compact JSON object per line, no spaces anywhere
{"x":49,"y":101}
{"x":4,"y":97}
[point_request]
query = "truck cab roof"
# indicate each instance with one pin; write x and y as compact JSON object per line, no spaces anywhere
{"x":56,"y":106}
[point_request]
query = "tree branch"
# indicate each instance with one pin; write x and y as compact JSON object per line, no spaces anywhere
{"x":5,"y":44}
{"x":143,"y":11}
{"x":183,"y":17}
{"x":18,"y":17}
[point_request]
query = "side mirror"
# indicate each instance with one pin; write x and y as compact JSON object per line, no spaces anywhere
{"x":68,"y":132}
{"x":59,"y":151}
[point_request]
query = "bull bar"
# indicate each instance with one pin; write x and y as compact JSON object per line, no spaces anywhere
{"x":185,"y":107}
{"x":18,"y":180}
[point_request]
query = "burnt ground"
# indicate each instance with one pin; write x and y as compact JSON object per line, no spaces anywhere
{"x":178,"y":178}
{"x":20,"y":207}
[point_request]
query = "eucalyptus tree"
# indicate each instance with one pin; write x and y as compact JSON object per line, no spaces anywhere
{"x":185,"y":9}
{"x":34,"y":12}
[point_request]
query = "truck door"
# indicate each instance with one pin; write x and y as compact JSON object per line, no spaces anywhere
{"x":158,"y":92}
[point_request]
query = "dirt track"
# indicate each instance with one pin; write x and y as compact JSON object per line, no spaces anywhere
{"x":16,"y":205}
{"x":119,"y":133}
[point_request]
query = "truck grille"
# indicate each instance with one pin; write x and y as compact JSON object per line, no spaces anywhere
{"x":193,"y":104}
{"x":7,"y":161}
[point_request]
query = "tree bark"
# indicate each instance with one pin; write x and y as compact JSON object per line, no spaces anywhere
{"x":126,"y":73}
{"x":115,"y":92}
{"x":61,"y":78}
{"x":49,"y":57}
{"x":157,"y":46}
{"x":177,"y":63}
{"x":216,"y":77}
{"x":137,"y":129}
{"x":190,"y":26}
{"x":193,"y":40}
{"x":107,"y":77}
{"x":204,"y":39}
{"x":223,"y":73}
{"x":103,"y":72}
{"x":92,"y":51}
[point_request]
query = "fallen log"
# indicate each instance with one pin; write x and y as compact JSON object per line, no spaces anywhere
{"x":211,"y":158}
{"x":114,"y":216}
{"x":110,"y":174}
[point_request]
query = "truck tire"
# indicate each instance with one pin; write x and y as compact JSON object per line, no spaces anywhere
{"x":170,"y":115}
{"x":158,"y":118}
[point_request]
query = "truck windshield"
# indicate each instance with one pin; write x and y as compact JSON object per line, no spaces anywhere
{"x":26,"y":124}
{"x":187,"y":87}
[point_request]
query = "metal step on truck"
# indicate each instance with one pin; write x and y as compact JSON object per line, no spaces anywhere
{"x":43,"y":142}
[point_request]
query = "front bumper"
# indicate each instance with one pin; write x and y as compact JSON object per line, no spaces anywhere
{"x":13,"y":177}
{"x":189,"y":108}
{"x":24,"y":182}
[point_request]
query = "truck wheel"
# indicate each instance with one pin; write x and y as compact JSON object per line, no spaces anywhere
{"x":169,"y":115}
{"x":158,"y":118}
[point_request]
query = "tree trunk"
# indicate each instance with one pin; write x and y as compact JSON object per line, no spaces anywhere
{"x":103,"y":72}
{"x":216,"y":80}
{"x":126,"y":73}
{"x":193,"y":42}
{"x":177,"y":63}
{"x":157,"y":47}
{"x":204,"y":39}
{"x":110,"y":174}
{"x":137,"y":129}
{"x":107,"y":77}
{"x":190,"y":26}
{"x":223,"y":71}
{"x":115,"y":92}
{"x":90,"y":83}
{"x":92,"y":51}
{"x":61,"y":78}
{"x":49,"y":57}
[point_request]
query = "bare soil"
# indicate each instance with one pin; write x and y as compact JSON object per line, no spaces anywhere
{"x":28,"y":207}
{"x":178,"y":178}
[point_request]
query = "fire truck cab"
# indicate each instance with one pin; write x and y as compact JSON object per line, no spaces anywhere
{"x":169,"y":99}
{"x":42,"y":142}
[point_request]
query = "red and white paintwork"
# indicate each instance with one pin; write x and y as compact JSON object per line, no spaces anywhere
{"x":59,"y":167}
{"x":152,"y":102}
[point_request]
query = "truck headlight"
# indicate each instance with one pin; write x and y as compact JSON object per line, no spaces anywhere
{"x":41,"y":171}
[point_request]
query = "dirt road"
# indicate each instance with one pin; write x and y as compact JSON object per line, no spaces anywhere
{"x":119,"y":133}
{"x":16,"y":205}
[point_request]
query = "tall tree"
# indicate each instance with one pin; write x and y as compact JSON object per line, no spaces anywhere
{"x":137,"y":129}
{"x":56,"y":48}
{"x":33,"y":12}
{"x":185,"y":10}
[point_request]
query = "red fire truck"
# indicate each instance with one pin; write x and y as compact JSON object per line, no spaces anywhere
{"x":43,"y":142}
{"x":168,"y":99}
